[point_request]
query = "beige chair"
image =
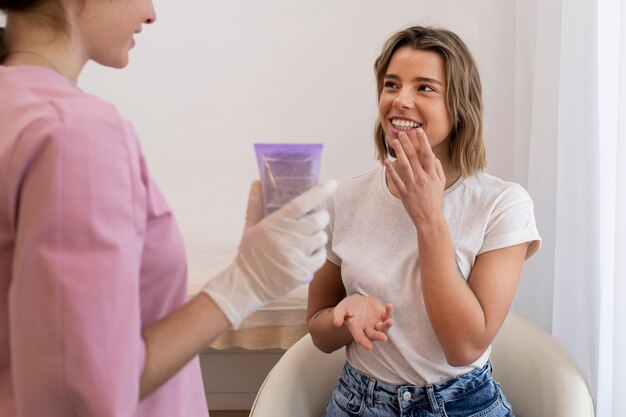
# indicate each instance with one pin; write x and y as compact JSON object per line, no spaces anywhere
{"x":537,"y":376}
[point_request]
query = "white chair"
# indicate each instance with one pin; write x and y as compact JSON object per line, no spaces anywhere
{"x":537,"y":376}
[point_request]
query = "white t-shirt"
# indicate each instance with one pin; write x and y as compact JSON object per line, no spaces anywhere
{"x":373,"y":240}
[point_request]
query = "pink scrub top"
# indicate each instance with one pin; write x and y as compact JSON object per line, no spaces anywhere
{"x":89,"y":254}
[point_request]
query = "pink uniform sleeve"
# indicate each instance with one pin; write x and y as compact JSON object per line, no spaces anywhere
{"x":75,"y":329}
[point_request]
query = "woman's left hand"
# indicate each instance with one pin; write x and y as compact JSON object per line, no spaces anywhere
{"x":367,"y":319}
{"x":418,"y":177}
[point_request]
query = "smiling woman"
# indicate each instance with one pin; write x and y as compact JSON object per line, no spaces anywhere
{"x":424,"y":253}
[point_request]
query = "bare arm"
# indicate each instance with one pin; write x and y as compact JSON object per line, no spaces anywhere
{"x":325,"y":292}
{"x":465,"y":315}
{"x":176,"y":339}
{"x":355,"y":317}
{"x":270,"y":262}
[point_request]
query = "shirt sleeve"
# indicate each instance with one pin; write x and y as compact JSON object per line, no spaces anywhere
{"x":512,"y":222}
{"x":75,"y":329}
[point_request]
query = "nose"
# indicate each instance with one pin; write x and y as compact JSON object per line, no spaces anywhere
{"x":403,"y":100}
{"x":151,"y":18}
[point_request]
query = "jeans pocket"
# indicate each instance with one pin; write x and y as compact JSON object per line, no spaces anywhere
{"x":348,"y":400}
{"x":486,"y":400}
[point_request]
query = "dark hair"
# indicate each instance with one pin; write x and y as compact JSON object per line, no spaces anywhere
{"x":43,"y":12}
{"x":463,"y":97}
{"x":17,"y":5}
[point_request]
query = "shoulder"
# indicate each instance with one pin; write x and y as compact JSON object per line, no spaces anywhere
{"x":349,"y":192}
{"x":37,"y":100}
{"x":356,"y":187}
{"x":50,"y":123}
{"x":96,"y":121}
{"x":493,"y":191}
{"x":508,"y":212}
{"x":39,"y":116}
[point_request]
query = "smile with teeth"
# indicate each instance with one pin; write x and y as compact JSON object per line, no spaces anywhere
{"x":401,"y":124}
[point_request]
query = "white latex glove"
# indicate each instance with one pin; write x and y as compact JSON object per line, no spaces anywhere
{"x":276,"y":253}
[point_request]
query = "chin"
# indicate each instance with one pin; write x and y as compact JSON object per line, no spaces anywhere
{"x":122,"y":62}
{"x":120,"y":65}
{"x":114,"y":62}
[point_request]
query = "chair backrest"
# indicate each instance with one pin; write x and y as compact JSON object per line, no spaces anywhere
{"x":536,"y":374}
{"x":300,"y":384}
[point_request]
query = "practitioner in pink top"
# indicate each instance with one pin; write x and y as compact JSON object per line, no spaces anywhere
{"x":94,"y":318}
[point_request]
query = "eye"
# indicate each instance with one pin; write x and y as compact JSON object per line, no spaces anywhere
{"x":426,"y":88}
{"x":390,"y":84}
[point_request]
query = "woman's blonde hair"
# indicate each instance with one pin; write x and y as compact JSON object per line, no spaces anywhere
{"x":463,"y":96}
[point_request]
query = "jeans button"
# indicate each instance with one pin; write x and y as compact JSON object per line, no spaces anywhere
{"x":406,"y":396}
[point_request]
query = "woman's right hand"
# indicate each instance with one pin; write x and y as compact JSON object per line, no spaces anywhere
{"x":365,"y":317}
{"x":276,"y":254}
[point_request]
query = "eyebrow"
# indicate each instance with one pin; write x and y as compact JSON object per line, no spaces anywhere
{"x":418,"y":79}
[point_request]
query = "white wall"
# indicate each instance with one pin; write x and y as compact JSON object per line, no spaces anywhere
{"x":211,"y":78}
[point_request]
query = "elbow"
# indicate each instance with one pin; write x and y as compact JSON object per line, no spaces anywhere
{"x":462,"y":355}
{"x":324,"y":347}
{"x":319,"y":343}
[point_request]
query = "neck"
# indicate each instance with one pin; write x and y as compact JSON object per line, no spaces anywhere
{"x":452,"y":175}
{"x":37,"y":44}
{"x":36,"y":58}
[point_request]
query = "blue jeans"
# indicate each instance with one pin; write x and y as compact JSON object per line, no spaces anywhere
{"x":475,"y":394}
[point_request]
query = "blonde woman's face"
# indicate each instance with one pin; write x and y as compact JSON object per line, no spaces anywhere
{"x":414,"y":95}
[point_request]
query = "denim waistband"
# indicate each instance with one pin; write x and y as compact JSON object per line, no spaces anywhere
{"x":413,"y":396}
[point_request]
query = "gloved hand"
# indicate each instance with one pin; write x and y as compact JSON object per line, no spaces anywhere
{"x":276,"y":253}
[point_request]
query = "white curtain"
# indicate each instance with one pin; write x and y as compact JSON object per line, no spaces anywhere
{"x":571,"y":103}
